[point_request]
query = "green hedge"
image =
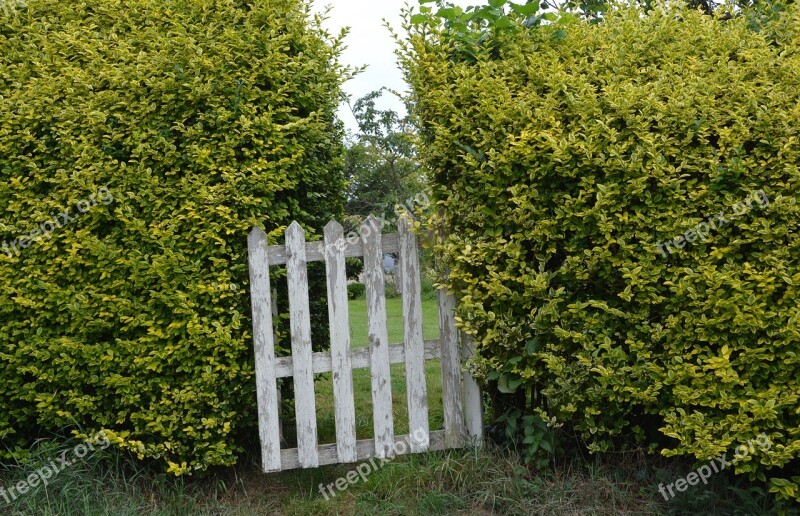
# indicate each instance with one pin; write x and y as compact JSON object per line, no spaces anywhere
{"x":183,"y":124}
{"x":562,"y":157}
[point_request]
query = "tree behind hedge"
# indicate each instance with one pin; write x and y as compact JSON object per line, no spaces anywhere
{"x":381,"y":169}
{"x":561,"y":157}
{"x":202,"y":118}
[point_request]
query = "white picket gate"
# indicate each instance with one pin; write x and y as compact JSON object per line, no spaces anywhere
{"x":461,"y":396}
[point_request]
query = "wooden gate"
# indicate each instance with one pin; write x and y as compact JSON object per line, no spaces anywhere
{"x":461,"y":396}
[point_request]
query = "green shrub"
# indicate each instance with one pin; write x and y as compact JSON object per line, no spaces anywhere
{"x":390,"y":290}
{"x":356,"y":290}
{"x":202,"y":119}
{"x":428,"y":286}
{"x":354,"y":266}
{"x":562,"y":157}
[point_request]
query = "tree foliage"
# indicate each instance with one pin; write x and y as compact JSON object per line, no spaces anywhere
{"x":381,"y":166}
{"x":475,"y":28}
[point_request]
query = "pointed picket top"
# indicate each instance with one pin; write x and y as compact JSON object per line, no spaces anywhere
{"x":333,"y":237}
{"x":295,"y":229}
{"x":333,"y":227}
{"x":334,"y":232}
{"x":372,"y":225}
{"x":402,"y":223}
{"x":295,"y":242}
{"x":405,"y":223}
{"x":257,"y":235}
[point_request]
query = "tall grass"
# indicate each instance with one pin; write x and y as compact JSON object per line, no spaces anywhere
{"x":488,"y":480}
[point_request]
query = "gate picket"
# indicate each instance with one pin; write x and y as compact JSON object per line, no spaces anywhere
{"x":451,"y":371}
{"x":300,"y":324}
{"x":382,"y":416}
{"x":341,"y":362}
{"x":264,"y":341}
{"x":416,"y":388}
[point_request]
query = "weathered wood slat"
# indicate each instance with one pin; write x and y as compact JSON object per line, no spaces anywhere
{"x":339,"y":321}
{"x":315,"y":251}
{"x":360,"y":359}
{"x":398,"y":278}
{"x":451,"y":371}
{"x":473,"y":407}
{"x":383,"y":419}
{"x":416,"y":388}
{"x":264,"y":341}
{"x":365,"y":449}
{"x":300,"y":324}
{"x":275,"y":314}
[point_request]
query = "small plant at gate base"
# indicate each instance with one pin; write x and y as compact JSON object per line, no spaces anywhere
{"x":391,"y":291}
{"x":531,"y":435}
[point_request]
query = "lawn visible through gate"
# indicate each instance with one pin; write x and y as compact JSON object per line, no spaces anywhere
{"x":361,"y":378}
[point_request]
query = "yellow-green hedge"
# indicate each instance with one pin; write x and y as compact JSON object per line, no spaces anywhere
{"x":201,"y":118}
{"x":561,"y":157}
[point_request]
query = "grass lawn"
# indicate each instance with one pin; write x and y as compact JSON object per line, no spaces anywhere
{"x":362,"y":385}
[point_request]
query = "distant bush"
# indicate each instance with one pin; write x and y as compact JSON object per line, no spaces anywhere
{"x":428,"y":287}
{"x":565,"y":158}
{"x":356,"y":290}
{"x":196,"y":120}
{"x":391,"y":291}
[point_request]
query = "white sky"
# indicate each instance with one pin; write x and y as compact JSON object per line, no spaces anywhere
{"x":369,"y":43}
